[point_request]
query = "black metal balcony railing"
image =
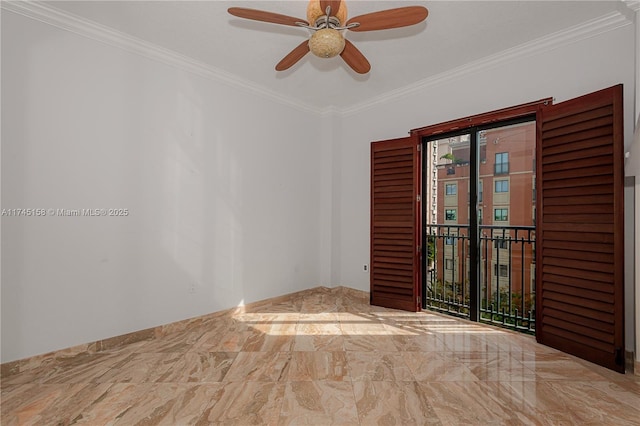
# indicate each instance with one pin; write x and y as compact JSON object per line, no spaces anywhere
{"x":507,"y":273}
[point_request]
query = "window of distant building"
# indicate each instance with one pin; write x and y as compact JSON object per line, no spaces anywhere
{"x":500,"y":215}
{"x":451,"y":189}
{"x":500,"y":244}
{"x":451,"y":214}
{"x":502,"y":185}
{"x":502,"y":163}
{"x":448,"y":264}
{"x":501,"y":270}
{"x":480,"y":191}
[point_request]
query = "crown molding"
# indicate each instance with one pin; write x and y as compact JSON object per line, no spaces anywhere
{"x":634,"y":5}
{"x":592,"y":28}
{"x":107,"y":35}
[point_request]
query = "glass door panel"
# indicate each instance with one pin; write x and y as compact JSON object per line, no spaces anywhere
{"x":446,"y":218}
{"x":506,"y":209}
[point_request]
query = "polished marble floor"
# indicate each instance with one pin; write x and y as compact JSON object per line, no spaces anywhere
{"x":324,"y":357}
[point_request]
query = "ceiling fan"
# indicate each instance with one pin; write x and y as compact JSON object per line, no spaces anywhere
{"x":328,"y":20}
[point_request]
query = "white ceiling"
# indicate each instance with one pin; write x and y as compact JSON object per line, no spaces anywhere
{"x":455,"y":33}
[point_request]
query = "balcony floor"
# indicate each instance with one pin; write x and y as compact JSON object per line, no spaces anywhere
{"x":324,"y":356}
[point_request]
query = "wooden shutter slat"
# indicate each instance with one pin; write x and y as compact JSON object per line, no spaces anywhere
{"x":580,"y":292}
{"x":578,"y":301}
{"x":569,"y":128}
{"x":589,"y":158}
{"x":571,"y":206}
{"x":578,"y":254}
{"x":597,"y":189}
{"x":602,"y":287}
{"x":577,"y":184}
{"x":604,"y":317}
{"x":593,"y":114}
{"x":581,"y":200}
{"x":563,"y":235}
{"x":582,"y":140}
{"x":588,"y":343}
{"x":580,"y":330}
{"x":580,"y":228}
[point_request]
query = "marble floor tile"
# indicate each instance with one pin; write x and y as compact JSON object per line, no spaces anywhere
{"x":436,"y":367}
{"x":493,"y":366}
{"x":600,"y":406}
{"x":232,"y":341}
{"x":561,"y":370}
{"x":393,"y":403}
{"x":319,"y":403}
{"x":140,"y":368}
{"x":318,"y":333}
{"x":537,"y":402}
{"x":191,"y":404}
{"x":200,"y":367}
{"x":259,"y":367}
{"x":474,"y":403}
{"x":244,"y":404}
{"x":173,"y":343}
{"x":378,"y":366}
{"x":318,"y":342}
{"x":369,"y":343}
{"x":419,"y":343}
{"x":323,"y":356}
{"x":49,"y":404}
{"x":318,"y":366}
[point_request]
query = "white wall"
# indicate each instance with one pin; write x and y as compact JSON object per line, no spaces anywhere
{"x":222,"y":188}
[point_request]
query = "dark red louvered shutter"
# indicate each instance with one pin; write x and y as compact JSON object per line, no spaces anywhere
{"x":580,"y":228}
{"x":395,"y":173}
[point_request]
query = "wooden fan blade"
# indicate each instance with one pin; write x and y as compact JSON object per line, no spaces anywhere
{"x":294,"y":56}
{"x":354,"y":58}
{"x":391,"y":18}
{"x":261,"y":15}
{"x":335,"y":6}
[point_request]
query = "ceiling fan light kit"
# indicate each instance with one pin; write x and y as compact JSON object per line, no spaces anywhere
{"x":329,"y":20}
{"x":326,"y":43}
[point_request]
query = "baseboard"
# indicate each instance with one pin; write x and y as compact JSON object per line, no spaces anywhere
{"x":14,"y":367}
{"x":629,"y":362}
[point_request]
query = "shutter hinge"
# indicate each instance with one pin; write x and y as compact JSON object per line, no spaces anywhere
{"x":419,"y":249}
{"x":418,"y":198}
{"x":419,"y":147}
